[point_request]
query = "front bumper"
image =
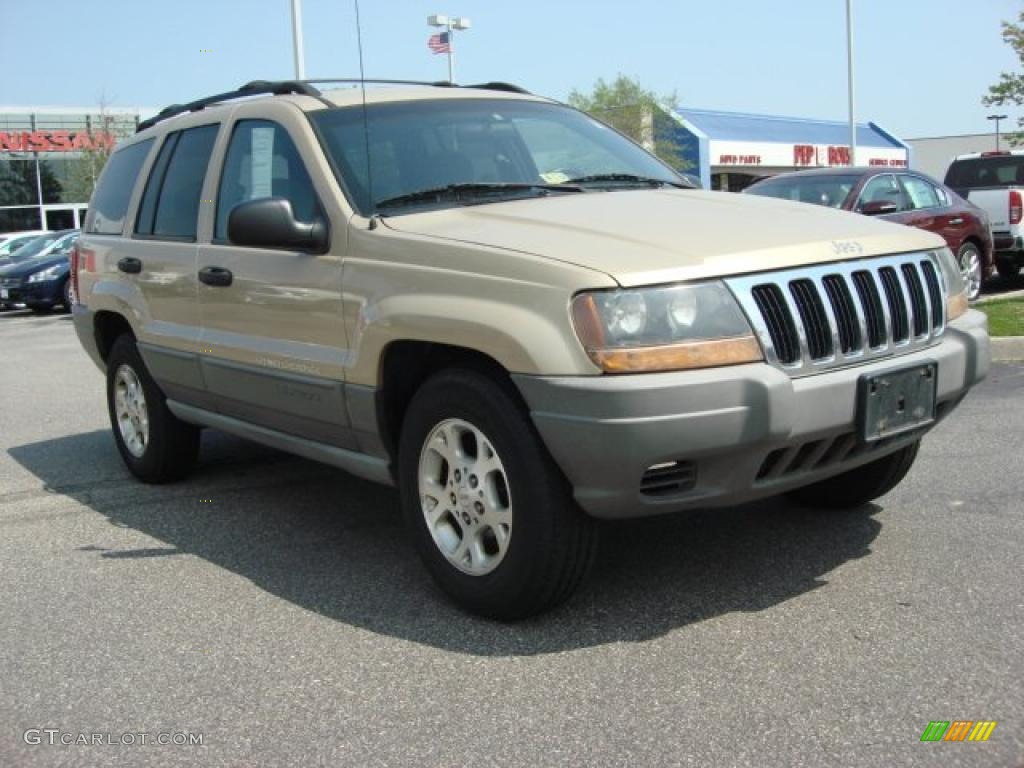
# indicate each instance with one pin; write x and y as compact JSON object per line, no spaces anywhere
{"x":46,"y":293}
{"x":734,"y":434}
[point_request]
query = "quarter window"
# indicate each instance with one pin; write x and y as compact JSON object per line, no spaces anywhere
{"x":110,"y":203}
{"x":262,"y":161}
{"x":170,"y":204}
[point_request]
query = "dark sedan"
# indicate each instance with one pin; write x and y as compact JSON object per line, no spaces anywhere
{"x":905,"y":197}
{"x":41,"y":281}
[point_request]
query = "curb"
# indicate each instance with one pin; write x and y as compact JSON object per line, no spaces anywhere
{"x":1007,"y":349}
{"x":989,"y":298}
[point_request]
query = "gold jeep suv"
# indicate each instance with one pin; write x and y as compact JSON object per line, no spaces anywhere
{"x":510,"y":311}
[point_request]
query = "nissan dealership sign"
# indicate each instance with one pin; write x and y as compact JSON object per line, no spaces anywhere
{"x":55,"y":141}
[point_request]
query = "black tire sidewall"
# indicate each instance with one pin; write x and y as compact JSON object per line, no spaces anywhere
{"x":167,"y":455}
{"x":536,"y":489}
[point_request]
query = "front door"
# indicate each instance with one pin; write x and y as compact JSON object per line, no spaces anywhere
{"x":273,"y":340}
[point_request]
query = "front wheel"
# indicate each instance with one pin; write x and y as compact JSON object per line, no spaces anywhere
{"x":156,"y":446}
{"x":969,"y":259}
{"x":858,"y":486}
{"x":491,"y":514}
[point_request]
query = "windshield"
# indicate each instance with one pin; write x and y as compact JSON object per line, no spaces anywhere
{"x":979,"y":172}
{"x":33,"y":248}
{"x":820,"y":190}
{"x":434,"y":143}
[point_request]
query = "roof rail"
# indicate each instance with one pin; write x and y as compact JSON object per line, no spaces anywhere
{"x":491,"y":86}
{"x":255,"y":88}
{"x":305,"y":88}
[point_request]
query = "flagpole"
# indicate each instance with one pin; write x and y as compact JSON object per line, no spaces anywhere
{"x":451,"y":52}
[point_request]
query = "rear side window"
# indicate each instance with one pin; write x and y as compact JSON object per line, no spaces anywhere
{"x":170,"y":204}
{"x":110,"y":201}
{"x":980,"y":172}
{"x":921,"y":193}
{"x":262,"y":161}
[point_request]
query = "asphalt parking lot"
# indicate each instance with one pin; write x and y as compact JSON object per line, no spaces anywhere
{"x":274,"y":606}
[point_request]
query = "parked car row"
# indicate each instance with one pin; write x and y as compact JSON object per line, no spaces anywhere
{"x":36,"y":274}
{"x":905,"y":197}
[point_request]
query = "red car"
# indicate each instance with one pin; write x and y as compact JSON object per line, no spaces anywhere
{"x":906,"y":197}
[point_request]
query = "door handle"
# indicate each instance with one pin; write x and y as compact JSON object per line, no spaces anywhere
{"x":129,"y":265}
{"x":956,"y":221}
{"x":216,"y":276}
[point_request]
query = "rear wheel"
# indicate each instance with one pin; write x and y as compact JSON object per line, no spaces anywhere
{"x":156,"y":446}
{"x":491,"y":514}
{"x":969,"y":259}
{"x":858,"y":486}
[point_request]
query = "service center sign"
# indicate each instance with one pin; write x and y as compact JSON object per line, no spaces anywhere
{"x":55,"y":141}
{"x":778,"y":155}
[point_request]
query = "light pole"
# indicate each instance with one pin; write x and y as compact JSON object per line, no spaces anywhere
{"x":449,"y":23}
{"x":300,"y":57}
{"x":997,"y":118}
{"x":849,"y":67}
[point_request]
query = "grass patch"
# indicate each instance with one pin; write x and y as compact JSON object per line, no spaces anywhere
{"x":1005,"y":317}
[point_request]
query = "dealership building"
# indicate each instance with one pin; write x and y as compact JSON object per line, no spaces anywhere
{"x":730,"y":150}
{"x":47,"y":161}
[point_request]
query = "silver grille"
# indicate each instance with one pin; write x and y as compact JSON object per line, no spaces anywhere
{"x":830,"y":315}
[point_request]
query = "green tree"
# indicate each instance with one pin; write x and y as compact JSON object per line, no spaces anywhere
{"x":637,"y":112}
{"x":18,"y":184}
{"x":85,"y":170}
{"x":1010,"y":88}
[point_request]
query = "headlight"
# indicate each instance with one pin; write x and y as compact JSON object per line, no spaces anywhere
{"x":696,"y":325}
{"x":42,"y":276}
{"x":956,"y":291}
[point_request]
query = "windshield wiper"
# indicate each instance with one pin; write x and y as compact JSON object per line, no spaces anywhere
{"x":629,"y":178}
{"x":470,"y":189}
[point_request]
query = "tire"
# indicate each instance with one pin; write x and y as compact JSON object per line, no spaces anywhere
{"x":40,"y":309}
{"x":1008,"y":270}
{"x":65,"y":293}
{"x":858,"y":486}
{"x":137,"y":407}
{"x":549,"y":543}
{"x":972,"y":268}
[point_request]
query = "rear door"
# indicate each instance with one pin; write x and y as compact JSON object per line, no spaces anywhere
{"x":162,"y":263}
{"x":273,"y":341}
{"x":926,"y":209}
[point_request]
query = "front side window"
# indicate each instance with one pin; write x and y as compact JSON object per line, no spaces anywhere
{"x":884,"y":189}
{"x":498,"y":144}
{"x":920,"y":193}
{"x":114,"y":190}
{"x":262,"y":161}
{"x":170,"y":204}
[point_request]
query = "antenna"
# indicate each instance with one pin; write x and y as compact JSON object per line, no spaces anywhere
{"x":366,"y":121}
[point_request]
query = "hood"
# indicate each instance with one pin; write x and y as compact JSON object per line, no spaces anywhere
{"x":26,"y":268}
{"x":641,"y":237}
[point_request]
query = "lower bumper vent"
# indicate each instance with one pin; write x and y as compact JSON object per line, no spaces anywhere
{"x":669,"y":478}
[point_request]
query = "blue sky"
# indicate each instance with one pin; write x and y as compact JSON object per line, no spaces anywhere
{"x":922,"y":65}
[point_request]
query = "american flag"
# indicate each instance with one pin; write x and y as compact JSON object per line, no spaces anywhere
{"x":439,"y":43}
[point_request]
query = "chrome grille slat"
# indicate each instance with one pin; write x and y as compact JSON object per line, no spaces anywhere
{"x":826,"y":316}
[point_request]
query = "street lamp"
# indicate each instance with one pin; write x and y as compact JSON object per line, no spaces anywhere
{"x":997,"y":118}
{"x":450,"y":23}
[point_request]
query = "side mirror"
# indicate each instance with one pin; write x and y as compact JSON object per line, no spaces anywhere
{"x":270,"y":222}
{"x":879,"y":207}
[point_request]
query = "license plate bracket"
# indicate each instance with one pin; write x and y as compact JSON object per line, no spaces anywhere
{"x":896,"y":401}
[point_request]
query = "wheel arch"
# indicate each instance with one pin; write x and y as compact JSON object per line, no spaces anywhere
{"x":405,"y":364}
{"x":107,"y":327}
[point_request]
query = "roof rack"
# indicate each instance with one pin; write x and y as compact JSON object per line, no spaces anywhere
{"x":306,"y":88}
{"x":255,"y":88}
{"x":490,"y":86}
